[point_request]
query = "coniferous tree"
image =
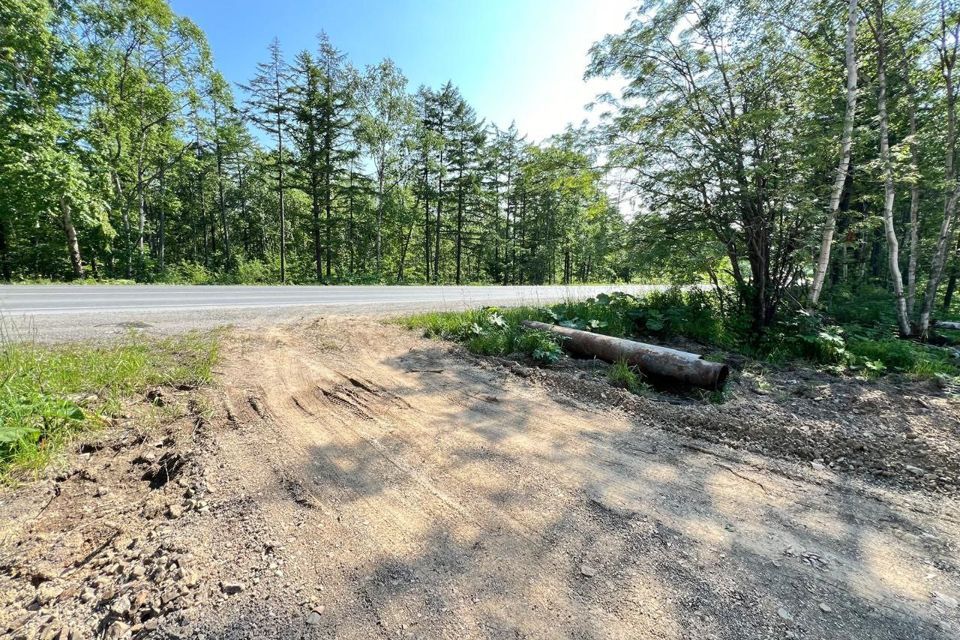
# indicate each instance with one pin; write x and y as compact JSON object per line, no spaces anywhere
{"x":268,"y":106}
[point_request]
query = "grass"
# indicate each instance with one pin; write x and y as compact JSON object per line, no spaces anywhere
{"x":855,"y":334}
{"x":48,"y":394}
{"x":622,"y":375}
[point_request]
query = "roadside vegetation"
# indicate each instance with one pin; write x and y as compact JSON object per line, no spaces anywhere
{"x":856,"y":334}
{"x":50,"y":393}
{"x":364,"y":179}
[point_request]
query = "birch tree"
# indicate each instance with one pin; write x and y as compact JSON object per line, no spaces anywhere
{"x":949,"y":42}
{"x":846,"y":143}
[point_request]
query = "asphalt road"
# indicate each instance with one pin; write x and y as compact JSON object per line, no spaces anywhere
{"x":66,"y":312}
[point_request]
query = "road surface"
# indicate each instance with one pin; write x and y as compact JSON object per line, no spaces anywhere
{"x":65,"y":312}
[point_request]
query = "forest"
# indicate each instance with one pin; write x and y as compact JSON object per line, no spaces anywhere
{"x":125,"y":154}
{"x":777,"y":151}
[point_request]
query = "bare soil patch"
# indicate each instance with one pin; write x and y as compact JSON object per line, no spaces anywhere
{"x":352,"y":480}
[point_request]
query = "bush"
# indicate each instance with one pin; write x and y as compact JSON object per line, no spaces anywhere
{"x":804,"y":336}
{"x":254,"y":272}
{"x":542,"y":346}
{"x":866,"y":306}
{"x":903,"y":356}
{"x":691,"y":313}
{"x":675,"y":312}
{"x":868,"y":345}
{"x":491,"y":331}
{"x":187,"y":273}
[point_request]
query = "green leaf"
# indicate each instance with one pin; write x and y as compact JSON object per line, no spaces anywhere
{"x":10,"y":434}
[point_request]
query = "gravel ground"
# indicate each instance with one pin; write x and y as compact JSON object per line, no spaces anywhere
{"x":352,"y":480}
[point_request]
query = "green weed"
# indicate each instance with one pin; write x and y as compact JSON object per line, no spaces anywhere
{"x":491,"y":331}
{"x":840,"y":340}
{"x":622,"y":375}
{"x":50,"y":393}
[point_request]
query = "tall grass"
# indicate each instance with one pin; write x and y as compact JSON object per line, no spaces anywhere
{"x":49,"y":393}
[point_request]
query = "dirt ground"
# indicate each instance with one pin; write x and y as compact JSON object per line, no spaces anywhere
{"x":350,"y":479}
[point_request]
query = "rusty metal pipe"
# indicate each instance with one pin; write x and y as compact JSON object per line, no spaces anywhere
{"x":650,"y":359}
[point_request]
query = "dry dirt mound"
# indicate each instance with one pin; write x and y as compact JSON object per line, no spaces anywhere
{"x":352,"y":480}
{"x":891,"y":431}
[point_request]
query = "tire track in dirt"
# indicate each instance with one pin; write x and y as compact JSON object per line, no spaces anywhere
{"x":427,"y":495}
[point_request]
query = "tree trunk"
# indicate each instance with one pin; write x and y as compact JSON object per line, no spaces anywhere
{"x":951,"y":287}
{"x":380,"y":196}
{"x":426,"y":226}
{"x":5,"y":269}
{"x":350,"y":243}
{"x":351,"y":231}
{"x":126,"y":221}
{"x":162,"y":221}
{"x":283,"y":213}
{"x":404,"y":247}
{"x":141,"y":210}
{"x":945,"y":237}
{"x":73,"y":246}
{"x":243,"y":206}
{"x":508,"y":231}
{"x":315,"y":211}
{"x":830,"y":225}
{"x":223,"y":209}
{"x":893,"y":247}
{"x":459,"y":220}
{"x":914,"y":216}
{"x":436,"y":231}
{"x":328,"y":204}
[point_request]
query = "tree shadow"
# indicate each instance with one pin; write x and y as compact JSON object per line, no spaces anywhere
{"x":499,"y":513}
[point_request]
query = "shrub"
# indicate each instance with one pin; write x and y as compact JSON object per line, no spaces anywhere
{"x":187,"y":273}
{"x":254,"y":272}
{"x":542,"y":346}
{"x":805,"y":336}
{"x":903,"y":356}
{"x":492,"y":331}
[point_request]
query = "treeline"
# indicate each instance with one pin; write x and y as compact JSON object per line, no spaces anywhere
{"x":125,"y":154}
{"x":783,"y":150}
{"x":787,"y":148}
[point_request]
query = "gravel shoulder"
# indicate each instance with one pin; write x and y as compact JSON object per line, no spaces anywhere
{"x":349,"y":479}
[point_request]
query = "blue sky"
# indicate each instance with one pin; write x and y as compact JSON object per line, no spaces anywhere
{"x":517,"y":60}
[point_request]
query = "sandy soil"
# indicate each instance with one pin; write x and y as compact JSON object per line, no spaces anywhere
{"x":352,"y":480}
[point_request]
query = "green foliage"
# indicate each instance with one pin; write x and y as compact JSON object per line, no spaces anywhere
{"x":692,"y":313}
{"x":868,"y":348}
{"x":866,"y":306}
{"x":245,"y":272}
{"x":902,"y":356}
{"x":49,"y":393}
{"x":187,"y":273}
{"x":622,"y":375}
{"x":491,"y":331}
{"x":542,"y":346}
{"x":804,"y":336}
{"x":254,"y":272}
